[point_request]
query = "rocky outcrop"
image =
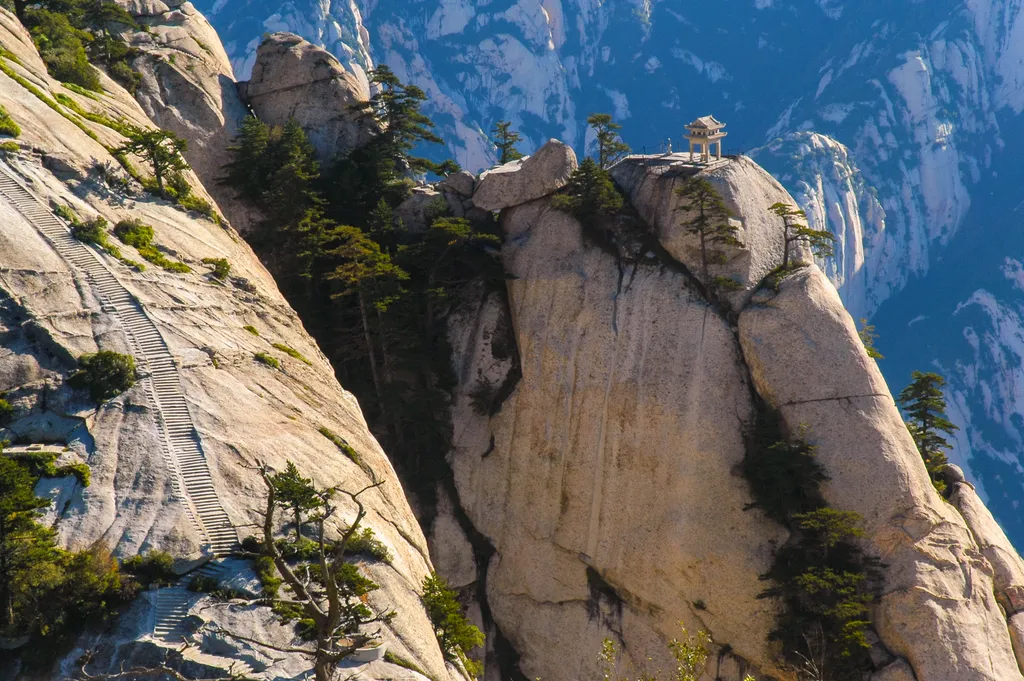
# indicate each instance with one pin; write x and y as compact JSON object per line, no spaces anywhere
{"x":293,"y":78}
{"x":651,"y":185}
{"x":188,"y":87}
{"x":592,"y":466}
{"x":938,"y":608}
{"x":243,"y":411}
{"x":527,"y":179}
{"x":631,"y":388}
{"x":1008,"y":568}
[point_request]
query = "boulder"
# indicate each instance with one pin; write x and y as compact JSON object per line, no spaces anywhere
{"x":460,"y":183}
{"x":527,"y":179}
{"x":423,"y":205}
{"x":938,"y":608}
{"x":293,"y":78}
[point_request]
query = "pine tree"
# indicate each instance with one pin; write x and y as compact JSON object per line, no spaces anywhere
{"x":589,"y":193}
{"x":868,"y":337}
{"x":21,"y":538}
{"x":162,"y":149}
{"x":247,"y":171}
{"x":297,"y":494}
{"x":610,"y":147}
{"x":505,"y":140}
{"x":795,"y":229}
{"x":711,"y":222}
{"x":395,"y":110}
{"x":370,"y":275}
{"x":455,"y":634}
{"x":925,"y":407}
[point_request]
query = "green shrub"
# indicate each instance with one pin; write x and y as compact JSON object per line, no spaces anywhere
{"x":61,"y":47}
{"x":81,"y":472}
{"x":125,"y":75}
{"x":66,"y":213}
{"x":156,"y":567}
{"x":367,"y":544}
{"x":341,"y":444}
{"x":178,"y":186}
{"x":139,"y":235}
{"x":6,"y":410}
{"x":7,"y":124}
{"x":590,"y":193}
{"x":93,"y":231}
{"x":266,"y":571}
{"x":9,"y":148}
{"x":199,"y":205}
{"x":221,"y":267}
{"x":43,"y":465}
{"x":251,"y":329}
{"x":268,"y":360}
{"x":134,"y":233}
{"x":104,"y":374}
{"x":292,"y":352}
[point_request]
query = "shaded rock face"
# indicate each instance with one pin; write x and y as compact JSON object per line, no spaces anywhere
{"x":293,"y":78}
{"x":596,"y":468}
{"x":243,"y":411}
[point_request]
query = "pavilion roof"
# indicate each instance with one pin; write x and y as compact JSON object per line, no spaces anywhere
{"x":707,"y":122}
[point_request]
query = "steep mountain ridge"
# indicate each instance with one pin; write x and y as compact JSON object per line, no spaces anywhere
{"x":154,"y":471}
{"x":889,"y":123}
{"x":593,"y":478}
{"x":625,"y":393}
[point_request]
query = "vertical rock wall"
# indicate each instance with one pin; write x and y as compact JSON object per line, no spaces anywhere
{"x":608,"y":478}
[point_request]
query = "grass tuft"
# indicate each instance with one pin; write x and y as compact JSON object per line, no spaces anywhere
{"x":292,"y":352}
{"x":268,"y":360}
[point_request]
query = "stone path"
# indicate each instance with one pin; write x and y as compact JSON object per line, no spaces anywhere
{"x":179,"y":440}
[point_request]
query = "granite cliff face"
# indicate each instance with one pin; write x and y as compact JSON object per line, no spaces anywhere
{"x":172,"y":458}
{"x":598,"y":496}
{"x":606,"y":481}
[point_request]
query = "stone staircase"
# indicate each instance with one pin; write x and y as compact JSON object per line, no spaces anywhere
{"x":179,"y":442}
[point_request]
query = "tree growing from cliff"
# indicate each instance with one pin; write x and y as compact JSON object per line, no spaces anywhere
{"x":47,"y":592}
{"x":795,"y":230}
{"x":610,"y":147}
{"x":505,"y":140}
{"x":868,"y":337}
{"x":455,"y":634}
{"x":821,"y":579}
{"x":925,"y":406}
{"x":162,"y":149}
{"x":297,"y":494}
{"x":710,"y":222}
{"x":369,"y":274}
{"x":327,"y":593}
{"x":589,"y":193}
{"x":395,"y":111}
